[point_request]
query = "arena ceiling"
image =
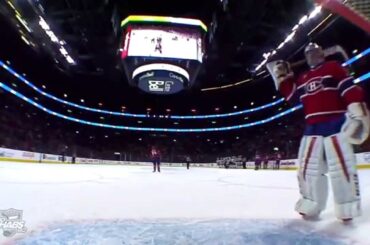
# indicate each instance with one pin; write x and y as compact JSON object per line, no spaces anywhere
{"x":240,"y":33}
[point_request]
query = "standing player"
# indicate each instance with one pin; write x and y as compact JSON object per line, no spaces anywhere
{"x":277,"y":160}
{"x":266,"y":159}
{"x":336,"y":118}
{"x":244,"y":162}
{"x":156,"y":159}
{"x":188,"y":160}
{"x":257,"y":161}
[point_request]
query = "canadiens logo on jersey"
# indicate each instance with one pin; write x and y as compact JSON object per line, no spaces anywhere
{"x":314,"y":86}
{"x":323,"y":91}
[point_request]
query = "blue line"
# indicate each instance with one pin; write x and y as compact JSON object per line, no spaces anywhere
{"x":121,"y":127}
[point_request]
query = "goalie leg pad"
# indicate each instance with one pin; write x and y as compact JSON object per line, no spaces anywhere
{"x":343,"y":174}
{"x":313,"y":183}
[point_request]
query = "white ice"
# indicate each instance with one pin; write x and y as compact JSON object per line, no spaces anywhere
{"x":106,"y":204}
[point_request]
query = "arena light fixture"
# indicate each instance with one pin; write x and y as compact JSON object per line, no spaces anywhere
{"x":46,"y":27}
{"x":303,"y":20}
{"x":23,"y":22}
{"x":25,"y":40}
{"x":315,"y":12}
{"x":19,"y":17}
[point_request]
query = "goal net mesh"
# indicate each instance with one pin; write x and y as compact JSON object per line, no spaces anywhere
{"x":361,"y":7}
{"x":355,"y":11}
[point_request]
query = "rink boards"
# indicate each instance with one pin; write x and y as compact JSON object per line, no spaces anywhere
{"x":11,"y":155}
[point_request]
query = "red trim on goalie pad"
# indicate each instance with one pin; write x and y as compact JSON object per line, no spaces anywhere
{"x":309,"y":153}
{"x":341,"y":9}
{"x":364,"y":109}
{"x":341,"y":157}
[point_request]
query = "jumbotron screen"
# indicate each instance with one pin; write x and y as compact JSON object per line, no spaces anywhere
{"x":162,"y":55}
{"x":163,"y":43}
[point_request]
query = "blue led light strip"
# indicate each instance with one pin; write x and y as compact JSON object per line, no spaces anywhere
{"x":116,"y":113}
{"x":362,"y":78}
{"x":121,"y":127}
{"x":357,"y":57}
{"x":210,"y":116}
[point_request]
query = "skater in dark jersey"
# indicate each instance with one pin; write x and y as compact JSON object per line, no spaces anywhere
{"x":188,"y":160}
{"x":155,"y":155}
{"x":257,"y":161}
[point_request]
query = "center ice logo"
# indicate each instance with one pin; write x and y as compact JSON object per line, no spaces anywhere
{"x":11,"y":222}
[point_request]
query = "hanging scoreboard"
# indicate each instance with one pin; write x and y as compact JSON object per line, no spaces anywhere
{"x":162,"y":55}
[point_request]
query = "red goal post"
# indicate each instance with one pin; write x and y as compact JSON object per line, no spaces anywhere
{"x":356,"y":11}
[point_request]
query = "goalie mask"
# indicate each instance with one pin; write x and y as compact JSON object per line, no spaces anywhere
{"x":314,"y":55}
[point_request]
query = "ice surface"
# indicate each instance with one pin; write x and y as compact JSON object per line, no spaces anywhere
{"x":96,"y":204}
{"x":254,"y":232}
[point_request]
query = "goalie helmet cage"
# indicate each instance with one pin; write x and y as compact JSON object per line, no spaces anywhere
{"x":355,"y":11}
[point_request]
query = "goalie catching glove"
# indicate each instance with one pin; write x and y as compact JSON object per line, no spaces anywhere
{"x":280,"y":70}
{"x":357,"y":125}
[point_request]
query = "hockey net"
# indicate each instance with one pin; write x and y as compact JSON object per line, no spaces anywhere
{"x":356,"y":11}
